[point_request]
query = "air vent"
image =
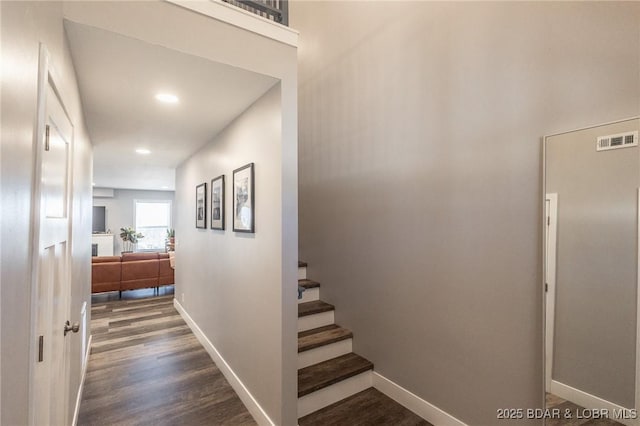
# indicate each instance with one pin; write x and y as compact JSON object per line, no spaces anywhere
{"x":621,"y":140}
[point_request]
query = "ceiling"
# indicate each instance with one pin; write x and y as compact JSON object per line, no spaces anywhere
{"x":119,"y":78}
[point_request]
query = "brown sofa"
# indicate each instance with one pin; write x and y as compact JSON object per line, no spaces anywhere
{"x":130,"y":271}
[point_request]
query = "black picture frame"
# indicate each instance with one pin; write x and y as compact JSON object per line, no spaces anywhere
{"x":218,"y":209}
{"x":201,"y":206}
{"x":244,"y":217}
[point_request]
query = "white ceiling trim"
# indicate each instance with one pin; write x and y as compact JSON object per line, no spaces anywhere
{"x":246,"y":20}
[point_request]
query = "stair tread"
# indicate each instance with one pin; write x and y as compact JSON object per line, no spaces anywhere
{"x":322,"y":336}
{"x":308,"y":283}
{"x":369,"y":407}
{"x":301,"y":264}
{"x":326,"y":373}
{"x":314,"y":307}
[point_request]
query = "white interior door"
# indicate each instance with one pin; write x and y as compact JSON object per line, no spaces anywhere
{"x":551,"y":222}
{"x":51,"y":256}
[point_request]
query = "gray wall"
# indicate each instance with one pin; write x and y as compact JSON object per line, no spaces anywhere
{"x":24,"y":25}
{"x":420,"y":170}
{"x":596,"y":273}
{"x":231,"y":283}
{"x":119,"y":209}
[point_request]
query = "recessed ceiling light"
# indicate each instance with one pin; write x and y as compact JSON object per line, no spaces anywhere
{"x":165,"y":187}
{"x":167,"y":98}
{"x":143,"y":151}
{"x":93,"y":184}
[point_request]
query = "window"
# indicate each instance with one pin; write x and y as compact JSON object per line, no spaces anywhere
{"x":152,"y":218}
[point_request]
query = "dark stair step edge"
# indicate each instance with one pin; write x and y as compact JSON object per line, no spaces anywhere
{"x":322,"y":336}
{"x":307,"y":284}
{"x":327,"y":373}
{"x":314,"y":307}
{"x":301,"y":264}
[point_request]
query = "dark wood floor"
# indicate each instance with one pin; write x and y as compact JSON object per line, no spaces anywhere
{"x":367,"y":408}
{"x":146,"y":367}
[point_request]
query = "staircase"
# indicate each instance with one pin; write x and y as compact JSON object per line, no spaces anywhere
{"x":328,"y":370}
{"x":335,"y":384}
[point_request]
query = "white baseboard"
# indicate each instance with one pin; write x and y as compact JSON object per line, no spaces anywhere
{"x":85,"y":363}
{"x":259,"y":415}
{"x":424,"y":409}
{"x":589,"y":401}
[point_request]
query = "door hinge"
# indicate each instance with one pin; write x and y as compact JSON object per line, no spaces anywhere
{"x":546,"y":287}
{"x":40,"y":348}
{"x":548,"y":220}
{"x":46,"y":138}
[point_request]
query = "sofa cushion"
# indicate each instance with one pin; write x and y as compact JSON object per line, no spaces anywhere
{"x":129,"y":257}
{"x":139,"y":269}
{"x":139,"y":274}
{"x":105,"y":259}
{"x":105,"y":276}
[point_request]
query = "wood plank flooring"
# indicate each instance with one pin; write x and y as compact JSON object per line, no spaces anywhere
{"x":367,"y":408}
{"x":314,"y":307}
{"x":308,"y":283}
{"x":321,"y":336}
{"x":146,"y":367}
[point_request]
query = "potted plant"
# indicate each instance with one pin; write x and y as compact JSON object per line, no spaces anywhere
{"x":171,"y":240}
{"x":129,"y":239}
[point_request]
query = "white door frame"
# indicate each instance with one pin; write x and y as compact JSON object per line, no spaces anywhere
{"x":551,"y":226}
{"x":46,"y":76}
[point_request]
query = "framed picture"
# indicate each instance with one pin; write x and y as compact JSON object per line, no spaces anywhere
{"x":201,"y":206}
{"x":243,"y":199}
{"x":217,"y":203}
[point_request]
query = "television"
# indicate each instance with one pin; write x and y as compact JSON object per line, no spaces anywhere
{"x":99,"y":222}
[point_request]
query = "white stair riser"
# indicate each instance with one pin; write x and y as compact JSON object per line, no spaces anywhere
{"x":324,"y":353}
{"x":310,"y":295}
{"x":302,"y":273}
{"x":334,"y":393}
{"x":315,"y":321}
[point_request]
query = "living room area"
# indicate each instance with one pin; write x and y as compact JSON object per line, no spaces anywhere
{"x":133,"y":243}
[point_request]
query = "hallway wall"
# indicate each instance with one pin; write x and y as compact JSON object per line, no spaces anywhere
{"x":230,"y":283}
{"x":24,"y":25}
{"x":420,"y":177}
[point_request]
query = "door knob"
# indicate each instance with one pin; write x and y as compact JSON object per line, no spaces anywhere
{"x":68,"y":327}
